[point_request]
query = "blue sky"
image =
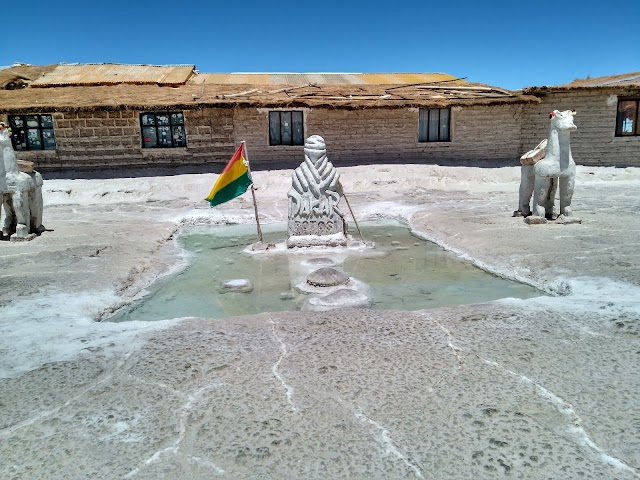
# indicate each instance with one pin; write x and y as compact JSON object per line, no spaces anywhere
{"x":509,"y":44}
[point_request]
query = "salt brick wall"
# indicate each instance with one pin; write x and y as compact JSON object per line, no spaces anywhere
{"x":492,"y":134}
{"x":594,"y":143}
{"x":479,"y":133}
{"x":252,"y":126}
{"x":210,"y":135}
{"x":101,"y":139}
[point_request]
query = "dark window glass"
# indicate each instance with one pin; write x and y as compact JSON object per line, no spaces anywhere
{"x":48,"y":139}
{"x":16,"y":122}
{"x":434,"y":125}
{"x":164,"y":136}
{"x":46,"y":121}
{"x":444,"y":124}
{"x":148,"y":119}
{"x":32,"y":132}
{"x":19,"y":138}
{"x":163,"y":130}
{"x":286,"y":128}
{"x":423,"y":123}
{"x":627,"y":121}
{"x":149,"y":138}
{"x":35,"y":142}
{"x":162,"y":119}
{"x":297,"y":135}
{"x":179,"y":137}
{"x":274,"y":128}
{"x":32,"y":121}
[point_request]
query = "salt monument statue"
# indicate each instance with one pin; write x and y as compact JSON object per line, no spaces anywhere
{"x":314,"y":216}
{"x":545,"y":169}
{"x":21,"y":194}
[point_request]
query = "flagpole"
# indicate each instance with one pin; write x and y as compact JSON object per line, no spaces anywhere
{"x":253,"y":190}
{"x":349,"y":205}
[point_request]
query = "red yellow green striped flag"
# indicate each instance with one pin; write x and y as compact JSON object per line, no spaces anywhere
{"x":233,"y":181}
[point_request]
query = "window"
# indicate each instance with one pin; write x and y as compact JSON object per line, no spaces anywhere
{"x":286,"y":128}
{"x":627,"y":120}
{"x":32,"y":132}
{"x":433,"y":125}
{"x":163,"y":130}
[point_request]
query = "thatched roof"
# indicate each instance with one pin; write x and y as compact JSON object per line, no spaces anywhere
{"x":21,"y":75}
{"x":145,"y":87}
{"x":114,"y":74}
{"x":194,"y":96}
{"x":624,"y":80}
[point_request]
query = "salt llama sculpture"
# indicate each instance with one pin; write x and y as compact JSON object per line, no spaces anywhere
{"x":21,"y":195}
{"x":545,"y":169}
{"x":314,"y":216}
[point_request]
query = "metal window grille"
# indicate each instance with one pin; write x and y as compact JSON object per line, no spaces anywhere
{"x":627,"y":118}
{"x":32,"y":132}
{"x":286,"y":128}
{"x":163,"y":130}
{"x":434,"y":125}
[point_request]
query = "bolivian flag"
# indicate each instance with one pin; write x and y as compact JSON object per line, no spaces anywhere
{"x":233,"y":181}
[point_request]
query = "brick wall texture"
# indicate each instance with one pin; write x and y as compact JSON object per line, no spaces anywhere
{"x":491,"y":135}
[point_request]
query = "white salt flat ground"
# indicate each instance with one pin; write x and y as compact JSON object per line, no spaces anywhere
{"x":539,"y":388}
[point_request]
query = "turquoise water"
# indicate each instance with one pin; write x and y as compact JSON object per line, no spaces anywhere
{"x":401,"y":272}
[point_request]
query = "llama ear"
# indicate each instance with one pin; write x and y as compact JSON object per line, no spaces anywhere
{"x":552,"y":114}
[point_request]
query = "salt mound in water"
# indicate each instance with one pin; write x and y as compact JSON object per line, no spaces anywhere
{"x":327,"y":277}
{"x":239,"y":285}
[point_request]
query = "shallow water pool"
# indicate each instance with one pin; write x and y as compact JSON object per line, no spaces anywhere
{"x":402,"y":272}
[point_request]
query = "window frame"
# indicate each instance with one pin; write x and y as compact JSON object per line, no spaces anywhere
{"x":25,"y":127}
{"x":636,"y":129}
{"x":156,"y":125}
{"x":295,"y":140}
{"x":424,"y":115}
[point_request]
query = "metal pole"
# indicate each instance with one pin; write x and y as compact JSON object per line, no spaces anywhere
{"x":253,"y":190}
{"x":354,"y":217}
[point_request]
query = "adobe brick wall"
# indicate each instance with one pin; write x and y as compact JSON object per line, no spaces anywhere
{"x":478,"y":134}
{"x":594,"y":143}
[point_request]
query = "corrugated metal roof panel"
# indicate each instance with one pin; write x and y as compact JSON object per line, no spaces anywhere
{"x":112,"y":74}
{"x":321,"y":78}
{"x":631,"y":78}
{"x":405,"y":78}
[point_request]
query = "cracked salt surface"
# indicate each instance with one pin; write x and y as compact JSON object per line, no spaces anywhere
{"x":288,"y":389}
{"x":385,"y":438}
{"x":574,"y":430}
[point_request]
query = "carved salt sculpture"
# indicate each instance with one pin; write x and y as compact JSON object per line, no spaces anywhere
{"x":314,"y":216}
{"x":21,"y":194}
{"x":556,"y":170}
